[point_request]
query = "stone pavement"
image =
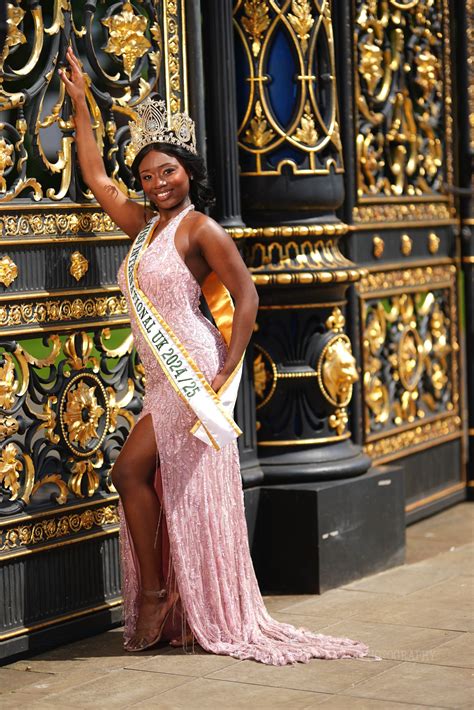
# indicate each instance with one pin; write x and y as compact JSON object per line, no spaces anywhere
{"x":418,"y":618}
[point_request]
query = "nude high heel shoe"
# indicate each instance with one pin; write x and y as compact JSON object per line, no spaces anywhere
{"x":143,"y":632}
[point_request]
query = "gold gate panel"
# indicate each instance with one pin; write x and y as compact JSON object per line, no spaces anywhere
{"x":404,"y":123}
{"x":70,"y":382}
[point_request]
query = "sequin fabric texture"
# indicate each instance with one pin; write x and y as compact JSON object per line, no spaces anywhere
{"x":202,"y":493}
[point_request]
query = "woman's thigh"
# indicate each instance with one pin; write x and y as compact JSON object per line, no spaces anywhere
{"x":138,"y":459}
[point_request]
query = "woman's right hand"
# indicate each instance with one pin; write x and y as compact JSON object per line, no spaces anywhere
{"x":74,"y":83}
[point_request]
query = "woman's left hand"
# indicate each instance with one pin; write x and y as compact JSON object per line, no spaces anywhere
{"x":218,"y":381}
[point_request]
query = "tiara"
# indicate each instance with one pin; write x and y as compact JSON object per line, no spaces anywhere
{"x":155,"y":125}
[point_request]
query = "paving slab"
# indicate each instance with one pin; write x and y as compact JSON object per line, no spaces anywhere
{"x":338,"y":603}
{"x":319,"y":676}
{"x":419,"y":683}
{"x":402,"y":580}
{"x":395,"y":642}
{"x":11,"y":679}
{"x":420,"y":549}
{"x":340,"y":702}
{"x":208,"y":694}
{"x":277,"y":602}
{"x":117,"y":689}
{"x":459,"y":560}
{"x":457,"y":592}
{"x":195,"y":663}
{"x":45,"y":684}
{"x":457,"y":652}
{"x":414,"y":612}
{"x":311,"y":622}
{"x":18,"y":700}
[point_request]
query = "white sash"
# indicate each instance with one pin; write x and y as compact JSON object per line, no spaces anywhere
{"x":215,"y":425}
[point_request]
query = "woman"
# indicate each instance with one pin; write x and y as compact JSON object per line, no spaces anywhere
{"x":187,"y":566}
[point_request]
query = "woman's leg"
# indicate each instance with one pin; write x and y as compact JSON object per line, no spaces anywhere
{"x":133,"y":475}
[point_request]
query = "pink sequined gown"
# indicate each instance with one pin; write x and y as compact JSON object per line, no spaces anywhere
{"x":202,"y":495}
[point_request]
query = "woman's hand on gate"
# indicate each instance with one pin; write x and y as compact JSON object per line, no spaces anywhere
{"x":74,"y":83}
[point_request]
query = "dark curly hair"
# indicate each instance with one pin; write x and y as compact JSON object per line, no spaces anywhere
{"x":200,"y":191}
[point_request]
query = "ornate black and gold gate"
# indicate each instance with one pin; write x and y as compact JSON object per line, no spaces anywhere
{"x":329,"y":129}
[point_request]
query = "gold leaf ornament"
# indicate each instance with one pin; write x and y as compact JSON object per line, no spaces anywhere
{"x":256,"y":22}
{"x":8,"y":383}
{"x":306,"y":132}
{"x":371,"y":62}
{"x":127,"y":36}
{"x":6,"y":150}
{"x":259,"y":134}
{"x":301,"y":21}
{"x":14,"y":35}
{"x":10,"y":467}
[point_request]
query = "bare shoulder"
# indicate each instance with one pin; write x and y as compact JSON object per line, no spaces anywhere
{"x":202,"y":227}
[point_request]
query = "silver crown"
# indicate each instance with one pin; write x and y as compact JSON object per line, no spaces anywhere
{"x":155,"y":125}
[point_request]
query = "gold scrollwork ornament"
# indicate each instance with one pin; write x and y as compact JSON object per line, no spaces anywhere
{"x":85,"y":471}
{"x":53,"y":479}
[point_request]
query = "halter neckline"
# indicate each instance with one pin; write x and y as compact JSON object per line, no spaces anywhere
{"x":180,"y":214}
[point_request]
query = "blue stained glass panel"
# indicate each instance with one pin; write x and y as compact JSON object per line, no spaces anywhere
{"x":282,"y":69}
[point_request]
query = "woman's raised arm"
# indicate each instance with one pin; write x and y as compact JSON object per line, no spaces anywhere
{"x":126,"y":214}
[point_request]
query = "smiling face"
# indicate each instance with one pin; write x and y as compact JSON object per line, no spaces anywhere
{"x":164,"y":179}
